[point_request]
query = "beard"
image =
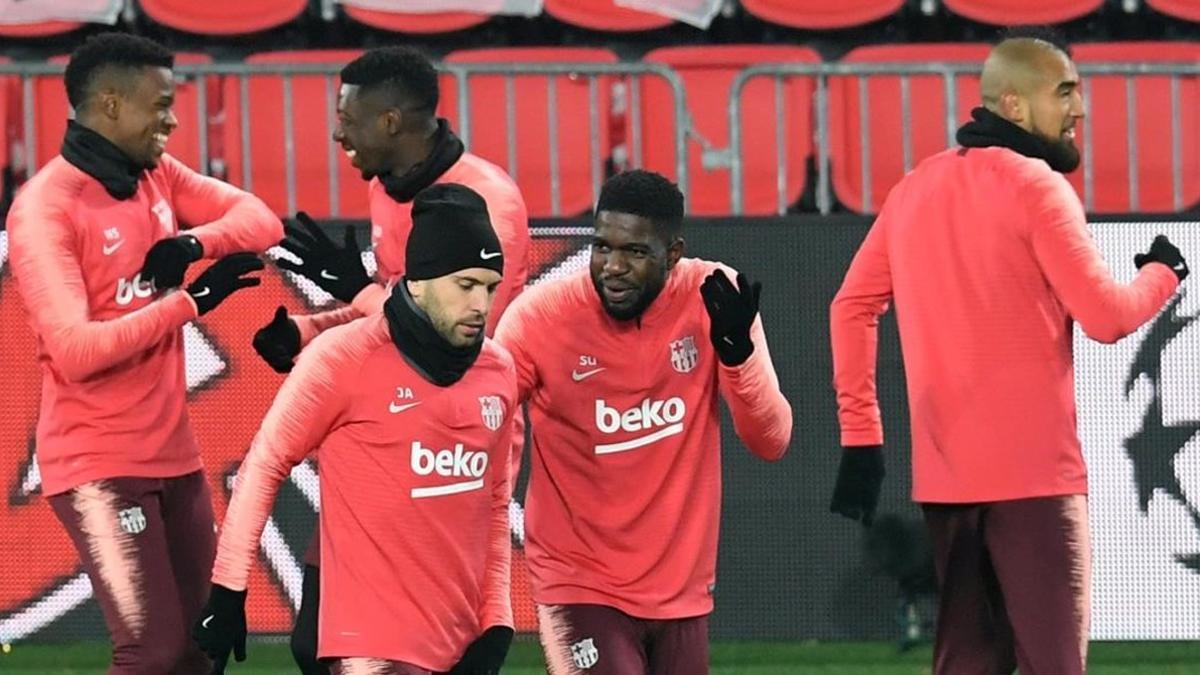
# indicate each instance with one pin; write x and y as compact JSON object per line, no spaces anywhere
{"x":646,"y":296}
{"x":1061,"y":154}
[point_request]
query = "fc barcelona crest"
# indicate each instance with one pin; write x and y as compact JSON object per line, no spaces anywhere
{"x":584,"y":654}
{"x":684,"y":355}
{"x":492,"y":409}
{"x":132,"y":520}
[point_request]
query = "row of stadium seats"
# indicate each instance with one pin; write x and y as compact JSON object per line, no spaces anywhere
{"x":231,"y":17}
{"x":617,"y":122}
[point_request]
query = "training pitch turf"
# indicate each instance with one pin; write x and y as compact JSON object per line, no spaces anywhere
{"x":728,"y":658}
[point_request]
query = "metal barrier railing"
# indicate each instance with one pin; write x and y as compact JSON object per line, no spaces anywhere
{"x":593,"y":72}
{"x":949,"y":72}
{"x":630,"y":75}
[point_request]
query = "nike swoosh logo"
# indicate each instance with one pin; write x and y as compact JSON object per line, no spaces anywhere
{"x":201,"y":293}
{"x":108,"y":249}
{"x":399,"y":408}
{"x":483,"y":254}
{"x":580,"y":377}
{"x":204,"y":623}
{"x":1179,"y":267}
{"x":326,"y":275}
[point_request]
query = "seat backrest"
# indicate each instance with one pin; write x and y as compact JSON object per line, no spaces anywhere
{"x":51,"y":112}
{"x":822,"y":14}
{"x":223,"y":17}
{"x":708,"y":73}
{"x":37,"y":30}
{"x":412,"y":22}
{"x":1188,"y":10}
{"x":1145,"y":180}
{"x":604,"y":15}
{"x":1013,"y":12}
{"x":876,"y":140}
{"x":257,"y":154}
{"x":563,"y":182}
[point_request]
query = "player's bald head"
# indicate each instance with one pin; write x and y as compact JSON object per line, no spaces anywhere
{"x":1019,"y":66}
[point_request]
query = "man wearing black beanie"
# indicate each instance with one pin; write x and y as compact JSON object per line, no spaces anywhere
{"x":412,"y":411}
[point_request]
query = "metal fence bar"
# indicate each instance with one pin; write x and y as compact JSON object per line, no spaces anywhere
{"x":335,"y":209}
{"x":824,"y":193}
{"x":289,"y":145}
{"x":1089,"y":166}
{"x":1176,"y":146}
{"x":1131,"y":140}
{"x":906,"y":151}
{"x":635,"y":123}
{"x":510,"y":122}
{"x":864,"y":141}
{"x":552,"y":130}
{"x":780,"y":149}
{"x":594,"y":133}
{"x":464,"y":108}
{"x":244,"y":116}
{"x":950,"y":89}
{"x":202,"y":120}
{"x":736,"y":204}
{"x":31,"y":165}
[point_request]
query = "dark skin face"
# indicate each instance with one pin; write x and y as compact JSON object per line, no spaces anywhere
{"x":631,"y":260}
{"x":379,"y":136}
{"x":132,"y":109}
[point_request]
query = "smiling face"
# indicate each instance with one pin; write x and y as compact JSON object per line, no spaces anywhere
{"x":366,"y":129}
{"x":1055,"y":105}
{"x":631,"y":260}
{"x":141,"y":114}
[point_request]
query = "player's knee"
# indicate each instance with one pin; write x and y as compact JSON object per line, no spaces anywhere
{"x":162,"y":653}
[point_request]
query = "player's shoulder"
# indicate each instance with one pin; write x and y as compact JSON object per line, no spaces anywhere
{"x":50,"y":194}
{"x":554,"y":298}
{"x":349,"y":345}
{"x":484,"y":177}
{"x":495,"y":355}
{"x":695,"y":270}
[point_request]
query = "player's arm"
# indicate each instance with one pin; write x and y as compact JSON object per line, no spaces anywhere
{"x":512,"y":227}
{"x":49,"y":276}
{"x":487,"y":652}
{"x":306,"y":408}
{"x":514,"y":333}
{"x":1106,"y":310}
{"x":854,"y":315}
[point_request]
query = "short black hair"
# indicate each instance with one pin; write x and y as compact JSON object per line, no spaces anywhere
{"x":1048,"y":34}
{"x":405,"y":71}
{"x":111,"y":50}
{"x":646,"y":194}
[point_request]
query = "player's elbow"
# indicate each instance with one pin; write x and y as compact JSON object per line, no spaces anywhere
{"x":1106,"y":332}
{"x":774,"y":442}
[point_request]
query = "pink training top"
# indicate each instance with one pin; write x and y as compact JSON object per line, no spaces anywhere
{"x":624,"y":496}
{"x":989,"y":260}
{"x":391,"y":222}
{"x":110,"y":348}
{"x":415,"y":548}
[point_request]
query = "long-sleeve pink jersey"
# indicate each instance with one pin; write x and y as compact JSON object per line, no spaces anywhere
{"x":414,"y":495}
{"x":988,"y":257}
{"x":624,"y":496}
{"x":110,"y":348}
{"x":391,"y":223}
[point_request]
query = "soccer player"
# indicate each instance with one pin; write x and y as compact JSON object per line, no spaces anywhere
{"x":98,"y":253}
{"x":985,"y":250}
{"x":388,"y":128}
{"x":411,"y":410}
{"x":621,"y":366}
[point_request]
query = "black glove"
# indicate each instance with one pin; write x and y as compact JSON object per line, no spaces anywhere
{"x":858,"y":481}
{"x":278,"y":342}
{"x":732,"y":311}
{"x":486,"y":654}
{"x":338,"y":271}
{"x":168,"y":259}
{"x":1163,"y":251}
{"x":222,"y":278}
{"x":221,"y":627}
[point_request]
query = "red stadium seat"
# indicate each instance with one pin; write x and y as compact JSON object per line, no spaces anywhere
{"x":1011,"y":12}
{"x":822,"y":14}
{"x":881,"y":140}
{"x":406,"y":22}
{"x":262,"y":167}
{"x":708,"y":73}
{"x":580,"y":168}
{"x":1188,"y":10}
{"x":1106,"y":123}
{"x":37,"y":30}
{"x":51,"y":111}
{"x":604,"y":15}
{"x":223,"y":17}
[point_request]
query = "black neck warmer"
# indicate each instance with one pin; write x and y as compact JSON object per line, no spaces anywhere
{"x":96,"y":156}
{"x":447,"y":148}
{"x":987,"y":129}
{"x":421,"y":345}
